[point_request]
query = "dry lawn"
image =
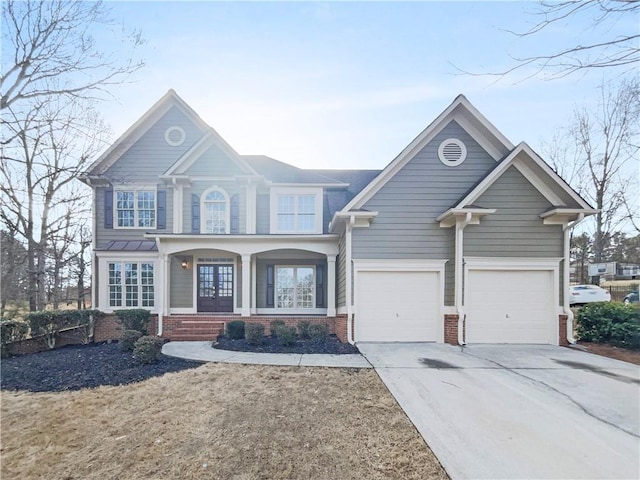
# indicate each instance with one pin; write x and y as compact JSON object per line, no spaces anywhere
{"x":217,"y":421}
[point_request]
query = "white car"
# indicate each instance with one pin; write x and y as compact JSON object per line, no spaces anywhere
{"x":581,"y":294}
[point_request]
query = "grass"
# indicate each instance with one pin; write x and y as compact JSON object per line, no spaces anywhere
{"x":222,"y":421}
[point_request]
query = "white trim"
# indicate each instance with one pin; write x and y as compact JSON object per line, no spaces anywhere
{"x":512,"y":263}
{"x":178,"y":205}
{"x":443,"y":158}
{"x":291,"y":311}
{"x":104,"y":258}
{"x":169,"y":131}
{"x":548,"y":264}
{"x":203,"y":211}
{"x":275,"y":286}
{"x":135,"y":188}
{"x":399,"y":266}
{"x":276,"y":192}
{"x":455,"y":111}
{"x":142,"y":126}
{"x":210,"y":139}
{"x":516,"y":160}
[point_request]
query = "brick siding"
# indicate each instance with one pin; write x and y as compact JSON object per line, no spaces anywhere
{"x":451,"y":329}
{"x":562,"y":330}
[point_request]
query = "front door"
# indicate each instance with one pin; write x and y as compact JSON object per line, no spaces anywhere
{"x":215,"y":288}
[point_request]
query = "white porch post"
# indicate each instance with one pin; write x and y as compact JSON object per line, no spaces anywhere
{"x":246,"y":286}
{"x":165,"y":278}
{"x":254,"y":285}
{"x":331,"y":285}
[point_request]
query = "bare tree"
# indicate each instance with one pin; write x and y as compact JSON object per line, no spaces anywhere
{"x":600,"y":145}
{"x":53,"y":72}
{"x":13,"y":280}
{"x":50,"y":51}
{"x":615,"y":21}
{"x":36,"y":175}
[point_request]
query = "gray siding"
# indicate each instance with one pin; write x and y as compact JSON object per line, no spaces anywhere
{"x":151,"y":156}
{"x":105,"y":235}
{"x":198,"y":188}
{"x":214,"y":163}
{"x":181,"y":290}
{"x":263,"y":209}
{"x":409,"y":203}
{"x":516,"y":229}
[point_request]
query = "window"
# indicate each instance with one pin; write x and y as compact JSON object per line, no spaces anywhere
{"x":131,"y":284}
{"x":136,"y":208}
{"x":216,"y":212}
{"x":296,"y":213}
{"x":295,"y":287}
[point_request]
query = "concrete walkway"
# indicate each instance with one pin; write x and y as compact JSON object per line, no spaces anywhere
{"x":203,"y":351}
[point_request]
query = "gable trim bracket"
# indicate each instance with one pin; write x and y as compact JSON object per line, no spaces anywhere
{"x":470,"y":216}
{"x":357,"y":219}
{"x":565,"y":216}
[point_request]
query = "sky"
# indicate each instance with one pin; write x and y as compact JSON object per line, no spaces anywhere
{"x":347,"y":84}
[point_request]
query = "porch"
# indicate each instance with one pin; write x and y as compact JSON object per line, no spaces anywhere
{"x":207,"y":327}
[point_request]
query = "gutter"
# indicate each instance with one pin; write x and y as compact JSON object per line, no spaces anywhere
{"x":459,"y":274}
{"x":566,"y":276}
{"x":348,"y":271}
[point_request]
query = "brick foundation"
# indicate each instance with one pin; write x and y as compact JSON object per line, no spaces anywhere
{"x":562,"y":330}
{"x":451,"y":329}
{"x":341,"y":328}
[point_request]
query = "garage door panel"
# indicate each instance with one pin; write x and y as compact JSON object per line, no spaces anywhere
{"x":504,"y":306}
{"x":397,"y":306}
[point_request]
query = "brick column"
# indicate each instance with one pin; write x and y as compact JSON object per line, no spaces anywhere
{"x":562,"y":331}
{"x":451,"y":329}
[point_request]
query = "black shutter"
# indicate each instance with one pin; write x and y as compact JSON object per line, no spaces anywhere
{"x":270,"y":285}
{"x":235,"y":214}
{"x":320,"y":282}
{"x":162,"y":209}
{"x":195,"y":213}
{"x":108,"y":208}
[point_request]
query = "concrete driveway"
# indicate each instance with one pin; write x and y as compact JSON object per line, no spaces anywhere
{"x":517,"y":411}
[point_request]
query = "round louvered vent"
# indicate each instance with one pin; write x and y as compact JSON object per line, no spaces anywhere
{"x":175,"y":136}
{"x":452,"y":152}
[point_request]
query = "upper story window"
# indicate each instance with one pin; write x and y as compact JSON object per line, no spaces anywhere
{"x":296,"y":212}
{"x":215,"y":209}
{"x":135,"y":208}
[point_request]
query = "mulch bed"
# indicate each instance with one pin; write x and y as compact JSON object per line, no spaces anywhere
{"x":631,"y":356}
{"x":271,"y":345}
{"x":75,"y":367}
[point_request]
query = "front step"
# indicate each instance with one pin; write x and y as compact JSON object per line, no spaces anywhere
{"x":197,"y":330}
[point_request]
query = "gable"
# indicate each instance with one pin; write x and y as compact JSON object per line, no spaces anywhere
{"x":428,"y":186}
{"x":151,"y":154}
{"x":466,"y":116}
{"x":214,"y":162}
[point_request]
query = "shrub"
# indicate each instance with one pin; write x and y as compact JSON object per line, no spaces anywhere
{"x":128,"y":339}
{"x":274,"y":325}
{"x":318,"y":333}
{"x":303,"y":329}
{"x":11,"y":331}
{"x":253,"y":333}
{"x":235,"y":330}
{"x":286,"y":335}
{"x":134,"y":319}
{"x":609,"y":322}
{"x":148,"y":349}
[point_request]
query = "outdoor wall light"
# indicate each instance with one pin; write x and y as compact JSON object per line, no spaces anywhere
{"x":185,"y":263}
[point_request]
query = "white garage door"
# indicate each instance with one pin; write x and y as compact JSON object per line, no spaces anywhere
{"x":505,"y":306}
{"x":397,"y":306}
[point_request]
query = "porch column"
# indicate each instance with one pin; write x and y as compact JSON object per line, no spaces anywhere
{"x":254,"y":286}
{"x":246,"y":286}
{"x":166,"y":282}
{"x":331,"y":285}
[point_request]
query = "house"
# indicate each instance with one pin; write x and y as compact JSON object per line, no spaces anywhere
{"x":463,"y":237}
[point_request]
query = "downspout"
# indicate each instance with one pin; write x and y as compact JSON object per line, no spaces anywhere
{"x":459,"y":273}
{"x":566,"y":274}
{"x":348,"y":272}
